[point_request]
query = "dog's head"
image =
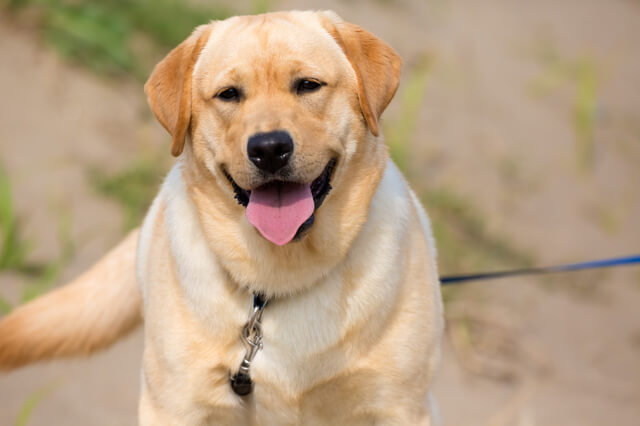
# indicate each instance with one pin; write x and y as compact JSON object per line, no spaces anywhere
{"x":274,"y":110}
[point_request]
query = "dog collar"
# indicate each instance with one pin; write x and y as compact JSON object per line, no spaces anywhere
{"x":241,"y":382}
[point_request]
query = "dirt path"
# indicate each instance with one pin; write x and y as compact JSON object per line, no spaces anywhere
{"x":498,"y":126}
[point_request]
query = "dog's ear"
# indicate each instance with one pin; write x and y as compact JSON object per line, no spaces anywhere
{"x":168,"y":89}
{"x":376,"y":64}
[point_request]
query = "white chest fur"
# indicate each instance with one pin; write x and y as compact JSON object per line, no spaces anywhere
{"x":302,"y":333}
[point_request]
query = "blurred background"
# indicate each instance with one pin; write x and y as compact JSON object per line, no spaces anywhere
{"x":517,"y":122}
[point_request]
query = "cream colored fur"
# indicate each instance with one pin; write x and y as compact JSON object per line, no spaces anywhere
{"x":353,"y":325}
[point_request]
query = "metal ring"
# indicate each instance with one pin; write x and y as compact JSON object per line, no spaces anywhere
{"x":256,"y":332}
{"x":255,"y":317}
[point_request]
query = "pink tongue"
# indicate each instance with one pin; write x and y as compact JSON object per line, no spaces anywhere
{"x":279,"y":209}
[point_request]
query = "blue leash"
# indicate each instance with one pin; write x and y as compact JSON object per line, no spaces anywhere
{"x":605,"y":263}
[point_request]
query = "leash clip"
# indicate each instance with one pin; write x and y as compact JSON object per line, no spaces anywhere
{"x":251,"y":335}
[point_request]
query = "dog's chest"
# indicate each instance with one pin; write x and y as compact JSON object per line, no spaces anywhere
{"x":300,"y":338}
{"x":309,"y":339}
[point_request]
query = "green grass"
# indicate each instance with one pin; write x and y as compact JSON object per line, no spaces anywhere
{"x":400,"y":129}
{"x":5,"y":306}
{"x":13,"y":249}
{"x":580,"y":74}
{"x":32,"y":402}
{"x":585,"y":103}
{"x":261,"y":6}
{"x":51,"y":271}
{"x":132,"y":188}
{"x":118,"y":36}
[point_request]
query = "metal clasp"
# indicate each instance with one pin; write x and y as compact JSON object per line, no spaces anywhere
{"x":251,"y":335}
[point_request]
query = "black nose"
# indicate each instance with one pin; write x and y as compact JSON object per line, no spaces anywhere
{"x":270,"y":151}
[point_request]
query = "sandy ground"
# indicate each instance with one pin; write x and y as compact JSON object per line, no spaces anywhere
{"x":552,"y":351}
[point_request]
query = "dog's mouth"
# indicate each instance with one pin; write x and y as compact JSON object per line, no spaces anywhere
{"x":283,"y":211}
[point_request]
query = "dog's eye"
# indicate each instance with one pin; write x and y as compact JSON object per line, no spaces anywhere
{"x":306,"y":86}
{"x":229,"y":94}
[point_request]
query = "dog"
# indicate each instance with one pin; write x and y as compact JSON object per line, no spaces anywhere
{"x":285,"y":272}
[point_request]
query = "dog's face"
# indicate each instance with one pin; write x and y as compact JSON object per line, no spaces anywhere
{"x":278,"y":108}
{"x":274,"y":102}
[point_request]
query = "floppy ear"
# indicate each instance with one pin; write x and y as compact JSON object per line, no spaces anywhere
{"x":168,"y":89}
{"x":376,"y":64}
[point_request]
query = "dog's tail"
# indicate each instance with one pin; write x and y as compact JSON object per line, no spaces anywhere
{"x":89,"y":314}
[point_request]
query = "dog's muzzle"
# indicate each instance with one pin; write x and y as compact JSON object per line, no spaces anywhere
{"x":283,"y":211}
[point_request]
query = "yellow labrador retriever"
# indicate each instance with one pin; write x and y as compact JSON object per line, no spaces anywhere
{"x":285,"y":271}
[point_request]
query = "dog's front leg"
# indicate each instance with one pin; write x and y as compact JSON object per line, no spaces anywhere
{"x":155,"y":410}
{"x":150,"y":413}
